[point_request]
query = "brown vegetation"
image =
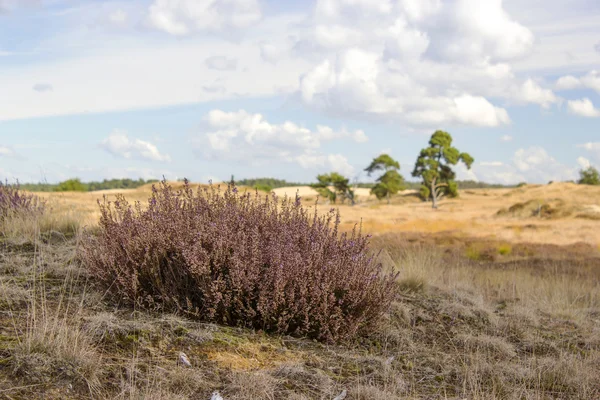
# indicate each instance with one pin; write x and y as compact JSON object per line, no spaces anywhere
{"x":477,"y":316}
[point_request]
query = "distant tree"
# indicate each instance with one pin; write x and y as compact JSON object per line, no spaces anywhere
{"x":434,"y":167}
{"x":71,"y":185}
{"x":589,"y":176}
{"x":390,"y":182}
{"x":341,"y":187}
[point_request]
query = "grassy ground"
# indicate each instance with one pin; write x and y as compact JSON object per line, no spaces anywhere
{"x":475,"y":318}
{"x":569,"y":212}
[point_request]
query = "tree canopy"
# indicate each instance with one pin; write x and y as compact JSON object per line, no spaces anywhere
{"x":390,"y":182}
{"x":340,"y":184}
{"x":589,"y":176}
{"x":434,"y":167}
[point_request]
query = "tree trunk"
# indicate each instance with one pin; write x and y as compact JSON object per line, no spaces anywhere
{"x":433,"y":194}
{"x":388,"y":198}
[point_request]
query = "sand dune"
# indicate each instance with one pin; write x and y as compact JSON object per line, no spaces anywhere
{"x":571,"y":213}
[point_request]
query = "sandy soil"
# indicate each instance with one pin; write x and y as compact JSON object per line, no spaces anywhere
{"x":573,"y":212}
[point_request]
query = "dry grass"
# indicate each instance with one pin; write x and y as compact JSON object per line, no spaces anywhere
{"x":57,"y":223}
{"x":572,"y":214}
{"x":504,"y":320}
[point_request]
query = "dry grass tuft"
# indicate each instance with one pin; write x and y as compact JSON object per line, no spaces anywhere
{"x":250,"y":385}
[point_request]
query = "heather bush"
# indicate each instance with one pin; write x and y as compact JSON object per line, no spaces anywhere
{"x":240,"y":259}
{"x":14,"y":201}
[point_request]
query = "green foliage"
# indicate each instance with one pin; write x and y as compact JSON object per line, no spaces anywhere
{"x":91,"y":186}
{"x":589,"y":176}
{"x":391,"y":182}
{"x":384,"y":163}
{"x":424,"y":192}
{"x":71,"y":185}
{"x":434,"y":165}
{"x":341,"y":187}
{"x":505,"y":250}
{"x":264,"y":188}
{"x":263,"y":183}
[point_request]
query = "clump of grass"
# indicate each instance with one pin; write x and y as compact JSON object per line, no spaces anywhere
{"x":16,"y":207}
{"x":473,"y":253}
{"x":14,"y":201}
{"x":49,"y":225}
{"x":240,"y":259}
{"x":49,"y":342}
{"x":505,"y":249}
{"x":25,"y":217}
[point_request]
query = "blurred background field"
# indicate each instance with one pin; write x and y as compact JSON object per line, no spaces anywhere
{"x":557,"y":213}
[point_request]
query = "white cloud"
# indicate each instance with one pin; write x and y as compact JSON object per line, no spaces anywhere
{"x":567,"y":82}
{"x":221,"y":63}
{"x":538,"y":166}
{"x":583,"y":162}
{"x":183,"y":17}
{"x":120,"y":145}
{"x":591,"y":80}
{"x":532,"y":164}
{"x":506,"y":138}
{"x":250,"y":138}
{"x":470,"y":29}
{"x":583,"y":107}
{"x":425,"y":63}
{"x":531,"y":92}
{"x":421,"y":63}
{"x":340,"y":164}
{"x":593,"y":148}
{"x":358,"y":83}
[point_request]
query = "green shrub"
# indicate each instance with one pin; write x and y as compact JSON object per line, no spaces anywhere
{"x":71,"y":185}
{"x":505,"y":250}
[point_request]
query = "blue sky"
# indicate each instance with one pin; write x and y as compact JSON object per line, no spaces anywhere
{"x":209,"y":88}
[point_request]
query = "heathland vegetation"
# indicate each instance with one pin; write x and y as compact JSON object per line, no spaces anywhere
{"x":183,"y":291}
{"x":76,"y":185}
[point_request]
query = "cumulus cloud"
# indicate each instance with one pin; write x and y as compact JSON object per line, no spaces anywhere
{"x":358,"y":82}
{"x":593,"y":148}
{"x":583,"y":107}
{"x":538,"y":166}
{"x":43,"y":87}
{"x":250,"y":138}
{"x":583,"y":162}
{"x":120,"y":145}
{"x":531,"y":92}
{"x":591,"y":80}
{"x":533,"y":164}
{"x":567,"y":82}
{"x":183,"y":17}
{"x":425,"y":63}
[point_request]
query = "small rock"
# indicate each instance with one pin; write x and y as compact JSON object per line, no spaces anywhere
{"x":341,"y":396}
{"x":216,"y":396}
{"x":183,"y":359}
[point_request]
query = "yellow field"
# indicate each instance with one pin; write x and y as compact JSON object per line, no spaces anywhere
{"x":570,"y":213}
